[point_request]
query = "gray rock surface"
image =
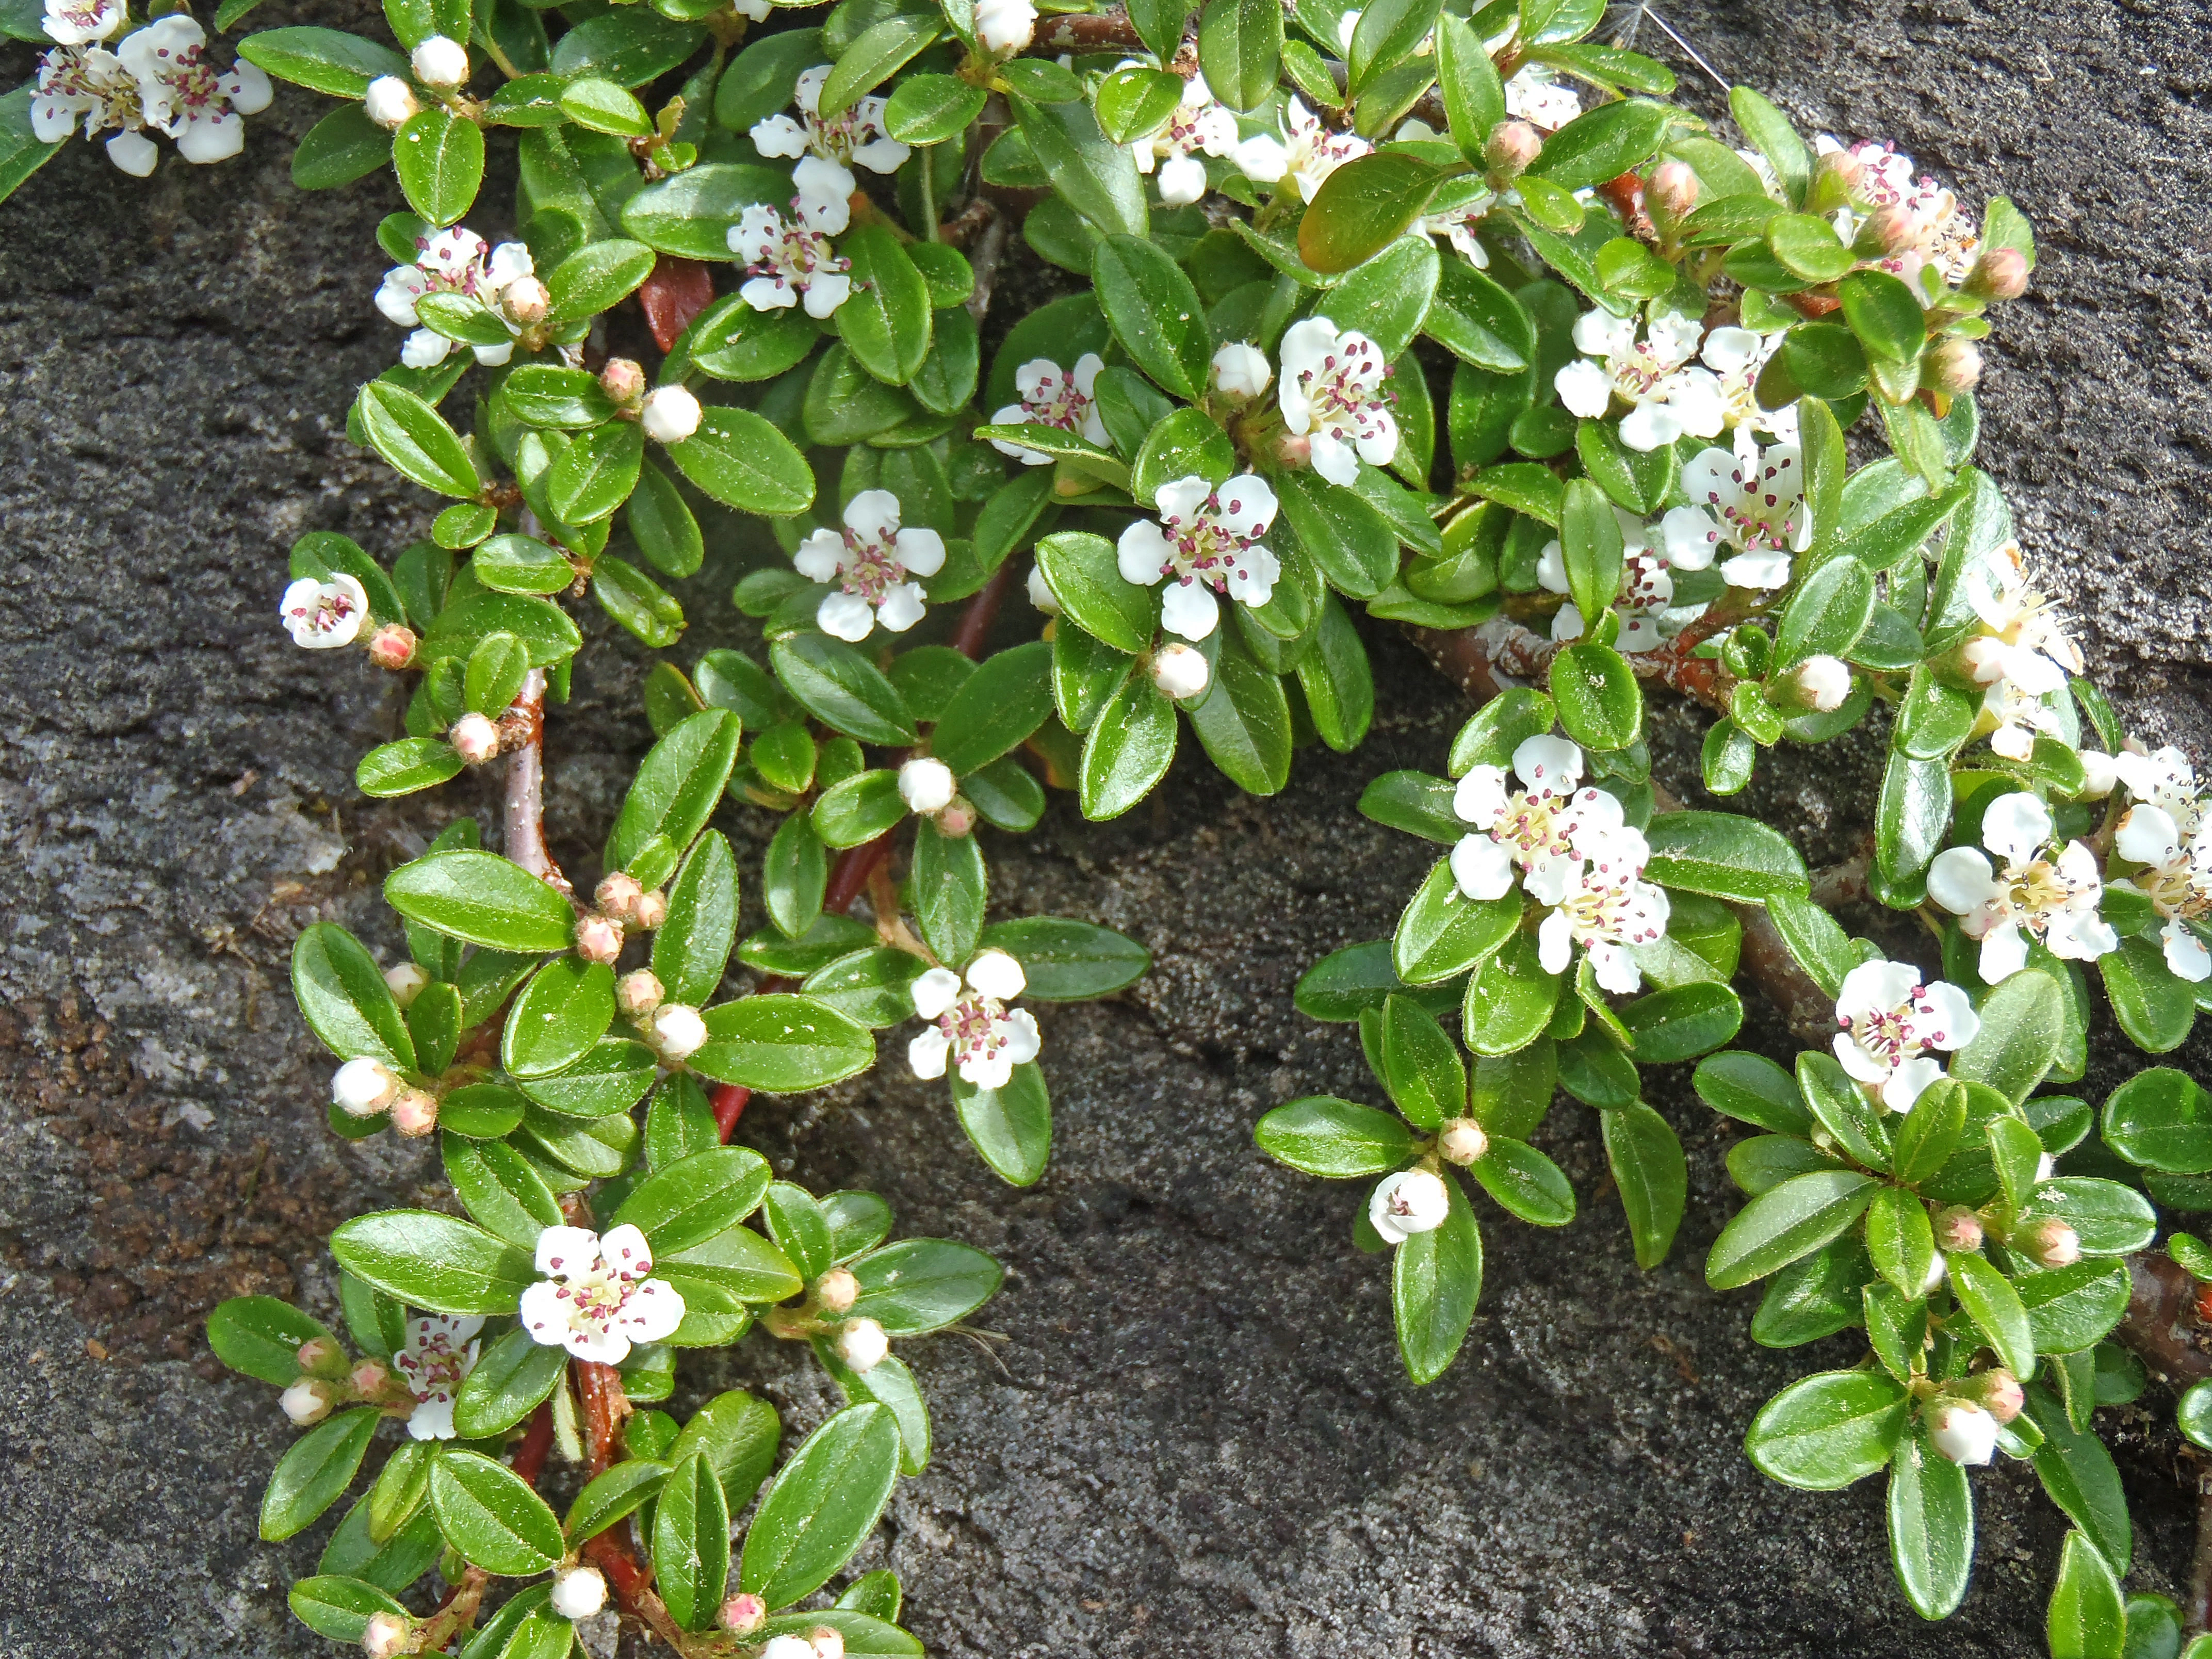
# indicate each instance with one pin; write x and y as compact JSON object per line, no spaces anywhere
{"x":1197,"y":1437}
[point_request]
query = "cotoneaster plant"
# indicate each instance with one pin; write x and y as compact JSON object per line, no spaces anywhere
{"x":1443,"y":316}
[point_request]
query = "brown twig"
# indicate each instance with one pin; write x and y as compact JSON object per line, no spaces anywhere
{"x":537,"y":1441}
{"x":525,"y":783}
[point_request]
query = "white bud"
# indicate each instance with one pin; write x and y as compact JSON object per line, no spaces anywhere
{"x":639,"y":993}
{"x":390,"y":100}
{"x":364,"y":1087}
{"x":475,"y":738}
{"x":1412,"y":1201}
{"x":1040,"y":594}
{"x":837,"y":1291}
{"x":1824,"y":683}
{"x":1963,"y":1432}
{"x":670,"y":416}
{"x":1004,"y":25}
{"x":826,"y":1643}
{"x":862,"y":1344}
{"x":926,"y":785}
{"x":1242,"y":370}
{"x":306,"y":1401}
{"x":527,"y":300}
{"x":406,"y":982}
{"x":2097,"y":768}
{"x":787,"y":1647}
{"x":579,"y":1592}
{"x":386,"y":1636}
{"x":2051,"y":1244}
{"x":1462,"y":1140}
{"x":678,"y":1031}
{"x":1180,"y":670}
{"x":438,"y":62}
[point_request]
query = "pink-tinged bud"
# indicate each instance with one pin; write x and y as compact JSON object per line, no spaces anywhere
{"x":1963,"y":1432}
{"x":387,"y":1635}
{"x":475,"y":738}
{"x":369,"y":1378}
{"x":639,"y":993}
{"x":1513,"y":148}
{"x":1845,"y":168}
{"x":623,"y":380}
{"x":678,"y":1031}
{"x":307,"y":1400}
{"x":1822,"y":682}
{"x":414,"y":1114}
{"x":1999,"y":274}
{"x":862,"y":1344}
{"x":1958,"y":1230}
{"x":579,"y":1592}
{"x":525,"y":301}
{"x":1180,"y":670}
{"x":599,"y":939}
{"x":741,"y":1615}
{"x":2051,"y":1244}
{"x":618,"y":894}
{"x":1294,"y":449}
{"x":1954,"y":366}
{"x":826,"y":1643}
{"x":650,"y":910}
{"x":1887,"y":230}
{"x":836,"y":1291}
{"x":364,"y":1087}
{"x":319,"y":1356}
{"x":1673,"y":190}
{"x":1462,"y":1140}
{"x":391,"y":646}
{"x":956,"y":818}
{"x":2001,"y":1397}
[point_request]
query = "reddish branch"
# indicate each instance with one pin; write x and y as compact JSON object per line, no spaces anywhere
{"x":537,"y":1441}
{"x":522,"y":734}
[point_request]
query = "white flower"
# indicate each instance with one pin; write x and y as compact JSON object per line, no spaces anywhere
{"x":1668,"y":398}
{"x":579,"y":1592}
{"x":390,"y":101}
{"x":2164,"y":779}
{"x":870,"y":561}
{"x":1411,"y":1201}
{"x":1963,"y":1432}
{"x":1004,"y":25}
{"x":926,"y":785}
{"x":2100,"y":776}
{"x":826,"y":151}
{"x":2169,"y":833}
{"x":322,"y":615}
{"x":2028,"y":897}
{"x":1049,"y":398}
{"x":1208,"y":537}
{"x":1180,"y":670}
{"x":1040,"y":592}
{"x":862,"y":1344}
{"x":1891,"y":1021}
{"x":1241,"y":369}
{"x":1536,"y":96}
{"x":788,"y":1647}
{"x":669,"y":415}
{"x":438,"y":62}
{"x":1646,"y":591}
{"x":1331,"y":391}
{"x":1306,"y":154}
{"x":185,"y":96}
{"x":1606,"y":907}
{"x":454,"y":261}
{"x":2025,"y":639}
{"x":77,"y":22}
{"x":976,"y":1031}
{"x":1531,"y":827}
{"x":598,"y":1296}
{"x":1749,"y":504}
{"x":678,"y":1033}
{"x":440,"y":1353}
{"x":1938,"y":233}
{"x":89,"y":84}
{"x":1197,"y":124}
{"x":1737,"y":355}
{"x":1457,"y":226}
{"x":789,"y":261}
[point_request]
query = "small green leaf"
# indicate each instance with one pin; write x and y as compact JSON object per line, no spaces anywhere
{"x":1823,"y":1432}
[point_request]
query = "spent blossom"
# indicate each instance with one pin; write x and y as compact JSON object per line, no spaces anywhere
{"x":1332,"y":395}
{"x":790,"y":260}
{"x":1669,"y":395}
{"x":869,"y":563}
{"x":186,"y":96}
{"x":2168,"y":832}
{"x":1198,"y":123}
{"x":1893,"y":1022}
{"x":1411,"y":1201}
{"x":1305,"y":154}
{"x":437,"y":1359}
{"x":323,"y":614}
{"x":1207,"y":538}
{"x":1053,"y":398}
{"x":974,"y":1031}
{"x":1748,"y":503}
{"x":2023,"y":653}
{"x":454,"y":261}
{"x":826,"y":149}
{"x":598,"y":1295}
{"x":2027,"y":894}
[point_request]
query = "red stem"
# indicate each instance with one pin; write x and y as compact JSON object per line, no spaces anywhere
{"x":537,"y":1441}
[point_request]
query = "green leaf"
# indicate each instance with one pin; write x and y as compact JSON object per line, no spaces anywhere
{"x":1443,"y":933}
{"x":922,"y":1285}
{"x":737,"y":1434}
{"x":794,"y":876}
{"x":483,"y":899}
{"x":782,"y":1044}
{"x":597,"y":276}
{"x":2161,"y":1120}
{"x":339,"y":1608}
{"x":886,"y":324}
{"x":1599,"y":703}
{"x":1931,"y":1527}
{"x":1082,"y":575}
{"x":1127,"y":750}
{"x":1436,"y":1279}
{"x":1649,"y":1167}
{"x":1995,"y":1309}
{"x":1098,"y":179}
{"x":1349,"y":538}
{"x":1930,"y":1132}
{"x":692,"y":948}
{"x":1724,"y":855}
{"x":511,"y":1378}
{"x":1011,"y":1127}
{"x":1900,"y":1239}
{"x":1511,"y":998}
{"x":1474,"y":98}
{"x":1590,"y":540}
{"x":344,"y":999}
{"x":2023,"y":1022}
{"x":1826,"y":613}
{"x":611,"y":1078}
{"x":996,"y":709}
{"x":822,"y":1505}
{"x":414,"y":437}
{"x":1243,"y":721}
{"x":695,"y":1197}
{"x":1388,"y":298}
{"x":434,"y":1261}
{"x":2087,"y":1619}
{"x":1068,"y":960}
{"x":565,"y":1009}
{"x":1753,"y":1090}
{"x":500,"y":1189}
{"x":440,"y":159}
{"x":690,"y":214}
{"x":951,"y":890}
{"x":878,"y":53}
{"x":1823,"y":1432}
{"x":677,"y":786}
{"x":930,"y":109}
{"x":1362,"y":208}
{"x":2152,"y":1005}
{"x":842,"y":688}
{"x":2070,"y":1309}
{"x":1771,"y":133}
{"x":1602,"y":143}
{"x":309,"y":1478}
{"x":1885,"y":314}
{"x":607,"y":1498}
{"x":260,"y":1337}
{"x":344,"y":146}
{"x":1682,"y":1022}
{"x":742,"y":461}
{"x":691,"y":1543}
{"x":2079,"y":1475}
{"x":322,"y":60}
{"x":1321,"y":1135}
{"x":1526,"y":1182}
{"x":1785,"y":1222}
{"x":1155,"y":313}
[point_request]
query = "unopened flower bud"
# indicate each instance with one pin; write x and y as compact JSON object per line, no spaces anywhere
{"x":1513,"y":147}
{"x":1963,"y":1432}
{"x":1954,"y":366}
{"x":369,"y":1378}
{"x":787,"y":1647}
{"x":1999,"y":274}
{"x":1822,"y":682}
{"x":1673,"y":190}
{"x":2099,"y":777}
{"x":364,"y":1087}
{"x":670,"y":415}
{"x":319,"y":1355}
{"x":1041,"y":596}
{"x":622,"y":380}
{"x":618,"y":894}
{"x":2051,"y":1244}
{"x":1958,"y":1230}
{"x":389,"y":101}
{"x":391,"y":646}
{"x":1003,"y":26}
{"x":475,"y":738}
{"x":926,"y":785}
{"x":862,"y":1344}
{"x":1180,"y":670}
{"x":956,"y":818}
{"x":678,"y":1033}
{"x":837,"y":1291}
{"x":406,"y":982}
{"x":387,"y":1635}
{"x":438,"y":62}
{"x":650,"y":910}
{"x":639,"y":993}
{"x":415,"y":1113}
{"x":307,"y":1400}
{"x":741,"y":1615}
{"x":599,"y":939}
{"x":2001,"y":1397}
{"x":1241,"y":370}
{"x":1939,"y":1269}
{"x":1412,"y":1201}
{"x":525,"y":301}
{"x":1886,"y":231}
{"x":1840,"y":164}
{"x":1462,"y":1140}
{"x":579,"y":1592}
{"x":826,"y":1643}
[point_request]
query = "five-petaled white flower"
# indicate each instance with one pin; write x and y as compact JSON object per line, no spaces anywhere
{"x":1749,"y":503}
{"x":324,"y":614}
{"x":1737,"y":355}
{"x":870,"y":561}
{"x":1938,"y":233}
{"x":790,"y":260}
{"x":1411,"y":1201}
{"x":1197,"y":124}
{"x":1208,"y":538}
{"x":1670,"y":396}
{"x":440,"y":1353}
{"x":2024,"y":654}
{"x":2029,"y":895}
{"x":827,"y":149}
{"x":454,"y":261}
{"x":1536,"y":96}
{"x":1531,"y":827}
{"x":1305,"y":154}
{"x":975,"y":1032}
{"x":76,"y":22}
{"x":1332,"y":394}
{"x":1608,"y":908}
{"x":1892,"y":1020}
{"x":2169,"y":833}
{"x":186,"y":96}
{"x":1050,"y":398}
{"x":1646,"y":592}
{"x":89,"y":84}
{"x":598,"y":1295}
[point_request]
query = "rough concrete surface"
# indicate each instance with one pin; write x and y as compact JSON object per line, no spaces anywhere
{"x":1197,"y":1437}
